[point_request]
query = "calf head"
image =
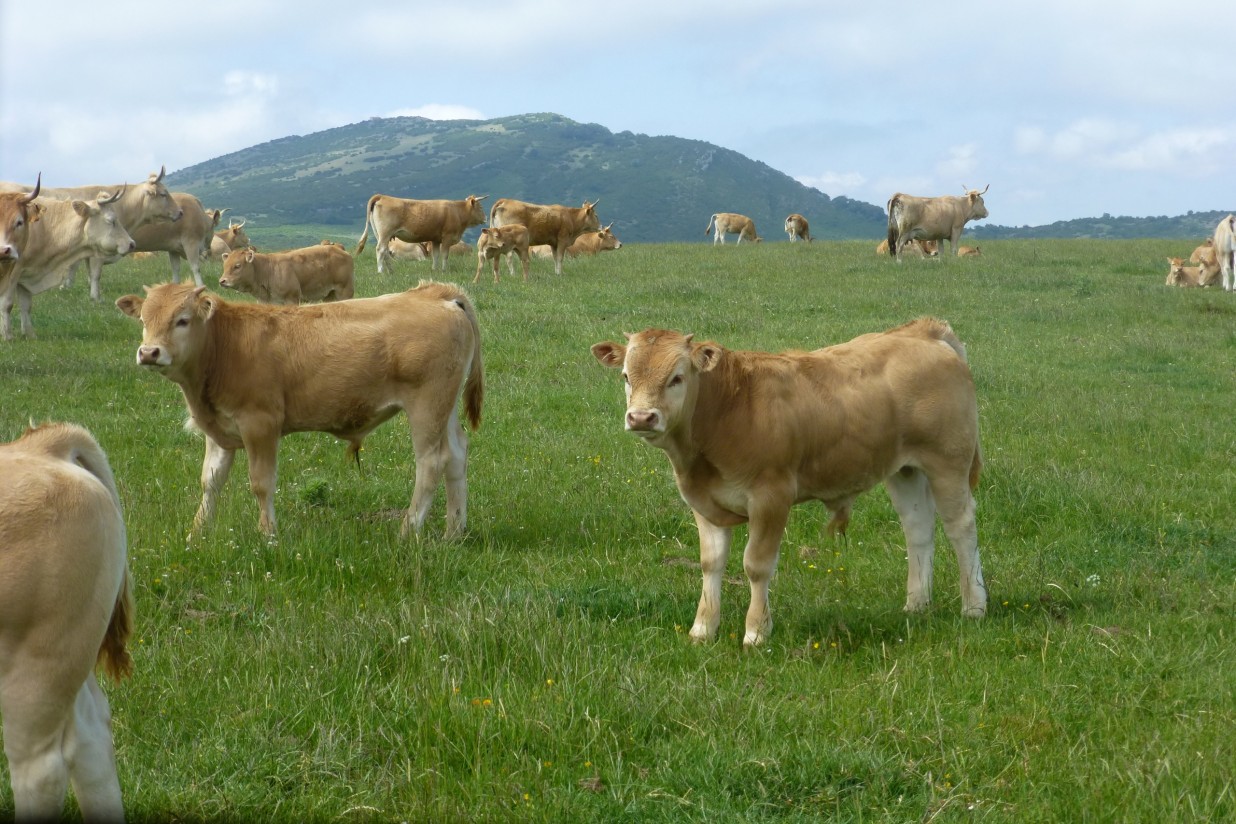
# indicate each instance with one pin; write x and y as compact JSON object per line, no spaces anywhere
{"x":660,"y":369}
{"x":17,"y":212}
{"x":976,"y":208}
{"x":238,"y":270}
{"x":173,"y":320}
{"x":101,"y":229}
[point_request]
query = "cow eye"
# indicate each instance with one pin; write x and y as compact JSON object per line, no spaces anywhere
{"x":625,"y":379}
{"x":182,"y":321}
{"x":674,"y":381}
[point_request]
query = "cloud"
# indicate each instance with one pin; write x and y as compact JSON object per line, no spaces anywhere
{"x":1176,"y":149}
{"x":439,"y":111}
{"x":960,"y":162}
{"x":835,"y":183}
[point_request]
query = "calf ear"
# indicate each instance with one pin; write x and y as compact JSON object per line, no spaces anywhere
{"x":131,"y":305}
{"x":609,"y":354}
{"x":705,"y":356}
{"x":33,"y":212}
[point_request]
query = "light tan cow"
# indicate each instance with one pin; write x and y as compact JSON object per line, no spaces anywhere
{"x":17,"y":211}
{"x":750,"y":434}
{"x":138,"y":205}
{"x":440,"y":223}
{"x":541,"y":250}
{"x":1225,"y":249}
{"x":65,"y":608}
{"x":403,"y":250}
{"x":969,"y":251}
{"x":593,"y":243}
{"x":188,"y":239}
{"x":1206,"y":251}
{"x":915,"y":248}
{"x":729,"y":223}
{"x":797,"y":228}
{"x":67,"y":231}
{"x":494,"y":242}
{"x":932,"y":218}
{"x":323,"y":272}
{"x":555,"y":225}
{"x":1180,"y":275}
{"x":251,"y":373}
{"x":225,"y":240}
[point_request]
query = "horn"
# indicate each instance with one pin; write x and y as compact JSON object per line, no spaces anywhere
{"x":162,"y":172}
{"x":105,"y":199}
{"x":38,"y":185}
{"x":242,"y":222}
{"x":985,"y":188}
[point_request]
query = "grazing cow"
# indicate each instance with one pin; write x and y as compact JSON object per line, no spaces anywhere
{"x":67,"y":231}
{"x":494,"y":242}
{"x":797,"y":228}
{"x":251,"y":373}
{"x":750,"y":434}
{"x":322,"y":272}
{"x":728,"y":223}
{"x":1180,"y":275}
{"x":932,"y":218}
{"x":17,"y":211}
{"x":138,"y":205}
{"x":555,"y":225}
{"x":1225,"y":249}
{"x":969,"y":251}
{"x":915,"y":248}
{"x":440,"y":223}
{"x":188,"y":239}
{"x":403,"y":250}
{"x":224,"y":241}
{"x":593,"y":243}
{"x":65,"y":608}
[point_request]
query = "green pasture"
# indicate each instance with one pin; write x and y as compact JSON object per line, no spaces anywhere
{"x":538,"y":669}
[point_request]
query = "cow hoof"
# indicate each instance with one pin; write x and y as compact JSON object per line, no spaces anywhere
{"x":917,"y":606}
{"x":753,"y":639}
{"x":974,"y":612}
{"x":700,"y":634}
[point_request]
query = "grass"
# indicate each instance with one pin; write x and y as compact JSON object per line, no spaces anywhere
{"x":538,"y":669}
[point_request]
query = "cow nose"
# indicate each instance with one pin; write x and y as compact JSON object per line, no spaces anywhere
{"x":7,"y":252}
{"x":147,"y":355}
{"x":642,"y":420}
{"x":132,"y":245}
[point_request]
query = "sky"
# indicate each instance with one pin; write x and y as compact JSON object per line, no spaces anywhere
{"x":1065,"y":108}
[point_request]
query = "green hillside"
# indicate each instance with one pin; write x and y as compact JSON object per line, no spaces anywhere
{"x":1193,"y":225}
{"x":654,"y":189}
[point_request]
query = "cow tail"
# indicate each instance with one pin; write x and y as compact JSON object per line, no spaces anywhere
{"x":360,"y":247}
{"x":474,"y":387}
{"x":894,"y":215}
{"x":711,"y":220}
{"x":114,"y":655}
{"x":976,"y":466}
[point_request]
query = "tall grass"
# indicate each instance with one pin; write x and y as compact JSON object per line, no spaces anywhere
{"x":538,"y":669}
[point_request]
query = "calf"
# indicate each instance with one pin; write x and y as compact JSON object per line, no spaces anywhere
{"x":913,"y":248}
{"x":493,"y":243}
{"x":65,"y":608}
{"x":729,"y":223}
{"x":967,"y":251}
{"x":750,"y":434}
{"x":322,"y":272}
{"x":552,"y":224}
{"x":252,"y":373}
{"x":1180,"y":275}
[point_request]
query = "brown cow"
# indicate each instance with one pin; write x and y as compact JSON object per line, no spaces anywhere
{"x":796,"y":227}
{"x":494,"y":242}
{"x":67,"y":231}
{"x":1225,"y":250}
{"x":750,"y":434}
{"x":593,"y":243}
{"x":915,"y":248}
{"x":17,"y":211}
{"x":1180,"y":275}
{"x":188,"y":239}
{"x":438,"y":222}
{"x":932,"y":218}
{"x":729,"y":223}
{"x":138,"y":205}
{"x":343,"y":368}
{"x":322,"y":272}
{"x":555,"y":225}
{"x":65,"y":608}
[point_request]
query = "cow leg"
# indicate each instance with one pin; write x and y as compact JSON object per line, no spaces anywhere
{"x":96,"y":272}
{"x":714,"y":552}
{"x":25,"y":302}
{"x":525,"y":261}
{"x":382,"y":253}
{"x":91,"y":756}
{"x":957,"y":510}
{"x":456,"y":477}
{"x":262,"y":449}
{"x":759,"y":561}
{"x":36,"y":712}
{"x":215,"y":468}
{"x":174,"y":260}
{"x":195,"y":266}
{"x":912,"y":499}
{"x":431,"y":451}
{"x":559,"y":254}
{"x":6,"y":313}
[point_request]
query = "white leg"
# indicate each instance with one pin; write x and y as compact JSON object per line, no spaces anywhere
{"x":714,"y":552}
{"x":91,"y":757}
{"x":957,"y":511}
{"x":25,"y":302}
{"x":911,"y":497}
{"x":96,"y":272}
{"x":759,"y":561}
{"x":456,"y":477}
{"x":215,"y":468}
{"x":174,"y":260}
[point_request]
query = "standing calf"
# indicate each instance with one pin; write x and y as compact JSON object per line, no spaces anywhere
{"x":65,"y":607}
{"x":322,"y":272}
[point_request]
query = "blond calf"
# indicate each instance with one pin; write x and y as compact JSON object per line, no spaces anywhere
{"x":322,"y":272}
{"x":493,"y":243}
{"x":64,"y":606}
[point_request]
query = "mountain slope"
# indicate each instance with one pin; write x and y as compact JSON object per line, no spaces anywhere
{"x":654,"y":189}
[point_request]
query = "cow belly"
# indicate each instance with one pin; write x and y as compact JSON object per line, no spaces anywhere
{"x":356,"y":420}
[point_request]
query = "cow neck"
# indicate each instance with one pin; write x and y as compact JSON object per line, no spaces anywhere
{"x":715,"y":395}
{"x":200,"y":384}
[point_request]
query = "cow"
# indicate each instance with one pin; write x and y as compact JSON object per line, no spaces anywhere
{"x":67,"y":231}
{"x":1180,"y":275}
{"x":1225,"y":247}
{"x":797,"y":228}
{"x":593,"y":243}
{"x":403,"y":250}
{"x":750,"y":434}
{"x":17,"y":211}
{"x":440,"y":223}
{"x":66,"y":607}
{"x":1205,"y":251}
{"x":188,"y":239}
{"x":224,"y":241}
{"x":969,"y":251}
{"x":251,"y":373}
{"x":323,"y":272}
{"x":932,"y":218}
{"x":138,"y":205}
{"x":728,"y":223}
{"x":541,"y":250}
{"x":494,"y":242}
{"x":915,"y":248}
{"x":555,"y":225}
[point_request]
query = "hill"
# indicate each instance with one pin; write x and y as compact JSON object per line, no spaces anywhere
{"x":1192,"y":225}
{"x":654,"y":189}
